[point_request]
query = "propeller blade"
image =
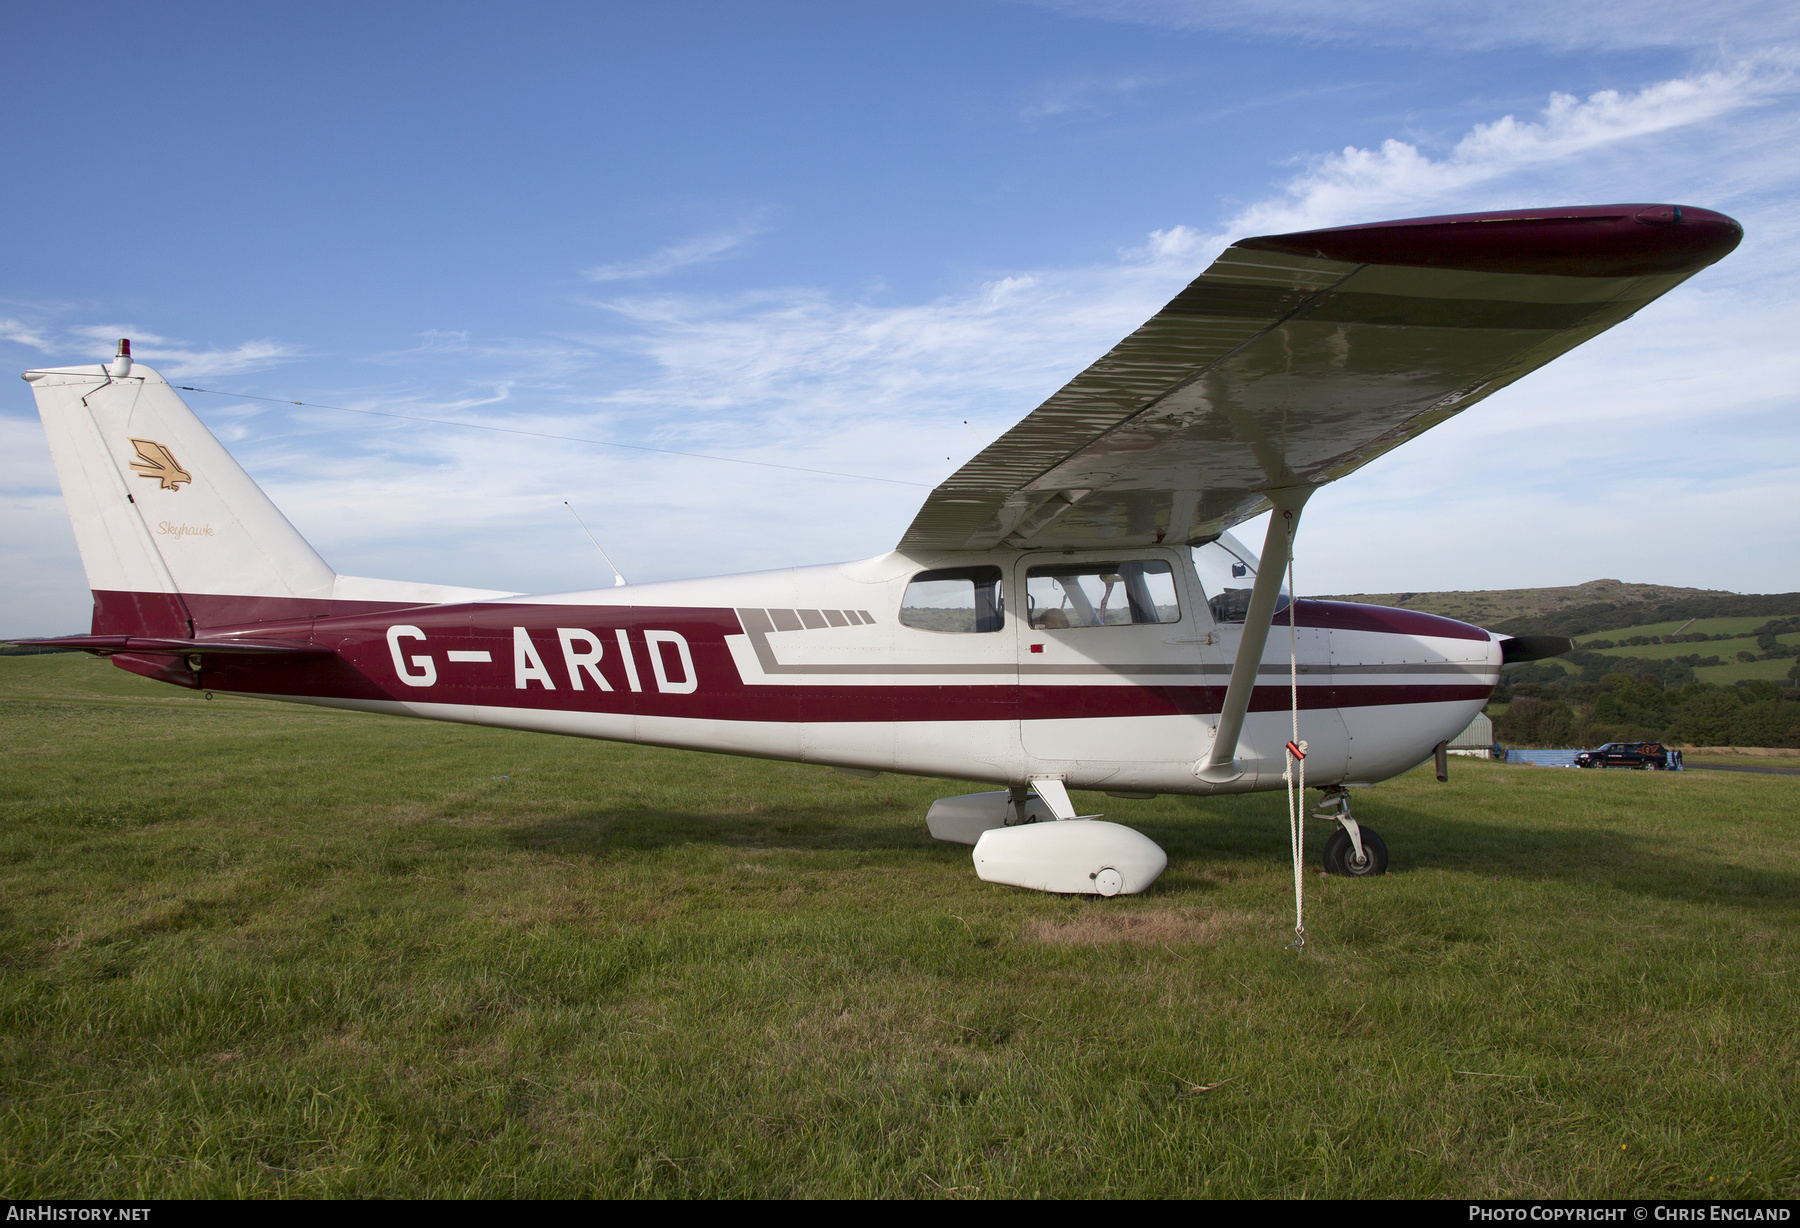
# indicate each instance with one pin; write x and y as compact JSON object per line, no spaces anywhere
{"x":1534,"y":647}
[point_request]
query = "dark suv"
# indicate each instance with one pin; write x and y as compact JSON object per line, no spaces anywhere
{"x":1645,"y":756}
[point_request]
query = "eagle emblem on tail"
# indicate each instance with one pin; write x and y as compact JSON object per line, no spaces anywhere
{"x":156,"y":461}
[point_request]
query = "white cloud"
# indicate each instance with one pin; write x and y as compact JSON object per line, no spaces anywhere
{"x":1678,"y":420}
{"x":108,"y":333}
{"x":801,"y":377}
{"x":441,"y":341}
{"x":195,"y":364}
{"x":45,"y":592}
{"x":1358,"y":184}
{"x":168,"y":355}
{"x":1083,"y":96}
{"x":23,"y":334}
{"x":1562,"y":25}
{"x":693,"y":251}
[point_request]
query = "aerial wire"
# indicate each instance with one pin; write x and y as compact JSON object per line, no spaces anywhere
{"x":512,"y":430}
{"x":618,"y":576}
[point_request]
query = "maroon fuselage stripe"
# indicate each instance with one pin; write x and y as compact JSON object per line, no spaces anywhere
{"x":363,"y":666}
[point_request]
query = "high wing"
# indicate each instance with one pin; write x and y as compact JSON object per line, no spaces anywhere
{"x":1298,"y":358}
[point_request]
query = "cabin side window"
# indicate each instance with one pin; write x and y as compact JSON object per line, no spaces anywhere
{"x":955,"y":600}
{"x":1226,"y":570}
{"x":1070,"y":595}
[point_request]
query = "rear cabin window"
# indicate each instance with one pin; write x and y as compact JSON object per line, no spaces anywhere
{"x":956,"y":599}
{"x":1101,"y":594}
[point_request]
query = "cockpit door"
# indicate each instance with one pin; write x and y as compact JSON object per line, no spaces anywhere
{"x":1117,"y":657}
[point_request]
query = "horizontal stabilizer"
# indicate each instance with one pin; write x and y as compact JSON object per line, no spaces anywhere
{"x":109,"y":644}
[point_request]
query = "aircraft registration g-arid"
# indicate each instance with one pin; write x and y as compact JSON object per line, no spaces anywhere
{"x":1066,"y":611}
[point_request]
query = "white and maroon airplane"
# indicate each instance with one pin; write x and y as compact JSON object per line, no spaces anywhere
{"x":1066,"y":611}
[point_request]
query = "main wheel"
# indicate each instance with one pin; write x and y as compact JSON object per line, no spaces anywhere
{"x":1340,"y":855}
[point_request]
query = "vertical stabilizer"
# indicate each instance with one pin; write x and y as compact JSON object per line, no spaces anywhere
{"x":161,"y":511}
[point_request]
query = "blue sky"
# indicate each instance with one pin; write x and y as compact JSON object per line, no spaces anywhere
{"x":827,"y":235}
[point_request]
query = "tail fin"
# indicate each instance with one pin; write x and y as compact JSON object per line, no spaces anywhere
{"x":174,"y":535}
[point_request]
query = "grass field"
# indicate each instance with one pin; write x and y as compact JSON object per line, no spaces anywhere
{"x":1719,"y":675}
{"x":1722,"y":648}
{"x":1736,"y":625}
{"x":1789,"y":759}
{"x":1745,"y":671}
{"x":248,"y":949}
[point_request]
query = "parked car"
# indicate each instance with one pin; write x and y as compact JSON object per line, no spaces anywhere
{"x":1644,"y":756}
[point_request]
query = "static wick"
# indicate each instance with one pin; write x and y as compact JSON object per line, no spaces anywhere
{"x":618,"y":576}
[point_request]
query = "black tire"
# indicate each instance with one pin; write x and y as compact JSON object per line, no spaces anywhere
{"x":1340,"y":855}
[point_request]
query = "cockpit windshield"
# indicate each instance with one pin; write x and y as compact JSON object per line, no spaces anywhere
{"x":1227,"y":572}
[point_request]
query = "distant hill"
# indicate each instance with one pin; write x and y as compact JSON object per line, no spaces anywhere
{"x":1491,"y":607}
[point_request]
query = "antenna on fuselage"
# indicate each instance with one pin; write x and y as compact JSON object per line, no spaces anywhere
{"x":618,"y":576}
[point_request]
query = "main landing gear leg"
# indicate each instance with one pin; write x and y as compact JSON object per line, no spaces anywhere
{"x":1353,"y":851}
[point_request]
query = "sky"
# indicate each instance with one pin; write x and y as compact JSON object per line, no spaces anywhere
{"x":863,"y":239}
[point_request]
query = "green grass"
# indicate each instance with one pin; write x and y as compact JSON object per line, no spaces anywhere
{"x":1701,"y":626}
{"x":1720,"y":675}
{"x":1745,"y":671}
{"x":248,"y":949}
{"x":1663,"y":652}
{"x":1720,"y":648}
{"x":1713,"y":754}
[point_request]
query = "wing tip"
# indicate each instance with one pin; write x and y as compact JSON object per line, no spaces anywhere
{"x":1574,"y":241}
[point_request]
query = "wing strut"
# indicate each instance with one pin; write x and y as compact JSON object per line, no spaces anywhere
{"x":1222,"y":764}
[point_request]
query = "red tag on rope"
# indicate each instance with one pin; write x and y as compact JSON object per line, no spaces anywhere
{"x":1295,"y":751}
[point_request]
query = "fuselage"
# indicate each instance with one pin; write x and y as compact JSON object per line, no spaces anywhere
{"x":823,"y":665}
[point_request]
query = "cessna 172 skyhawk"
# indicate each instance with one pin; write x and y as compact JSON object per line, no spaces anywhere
{"x":1066,"y":611}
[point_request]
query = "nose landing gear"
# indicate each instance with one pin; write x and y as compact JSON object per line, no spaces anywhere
{"x":1353,"y":851}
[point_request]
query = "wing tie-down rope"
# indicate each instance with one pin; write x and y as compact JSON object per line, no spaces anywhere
{"x":1295,"y":771}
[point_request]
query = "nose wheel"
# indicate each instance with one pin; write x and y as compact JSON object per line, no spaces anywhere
{"x":1352,"y":851}
{"x":1344,"y":859}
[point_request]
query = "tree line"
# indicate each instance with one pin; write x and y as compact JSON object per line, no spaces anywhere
{"x":1612,"y":697}
{"x":1622,"y":707}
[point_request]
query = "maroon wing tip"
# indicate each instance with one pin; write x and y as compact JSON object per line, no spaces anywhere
{"x":1578,"y":241}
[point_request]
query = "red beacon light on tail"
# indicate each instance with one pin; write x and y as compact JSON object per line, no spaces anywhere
{"x":120,"y":366}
